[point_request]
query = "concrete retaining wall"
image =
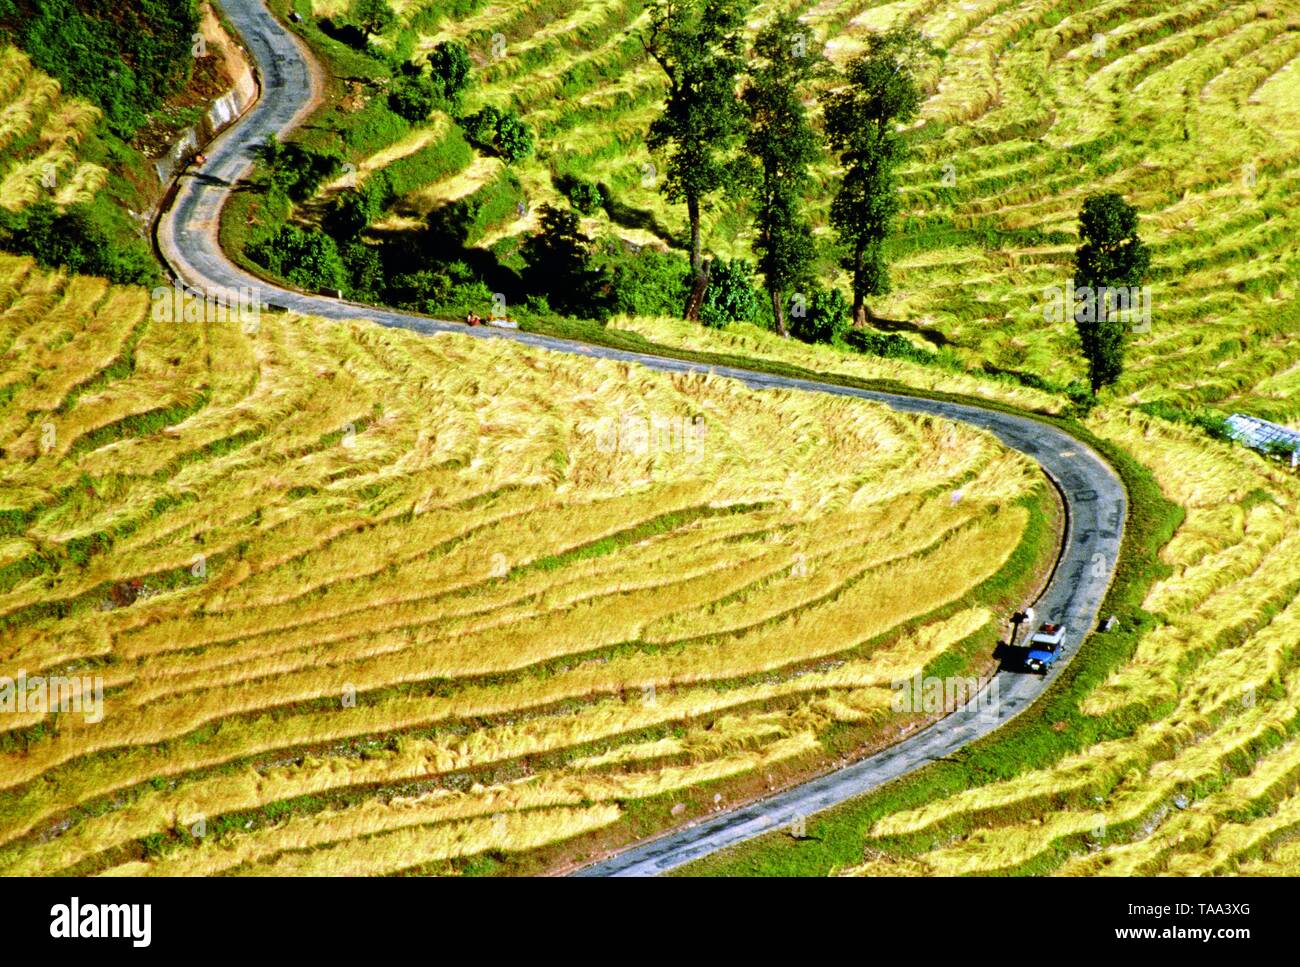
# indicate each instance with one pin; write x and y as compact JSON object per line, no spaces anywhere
{"x":220,"y":113}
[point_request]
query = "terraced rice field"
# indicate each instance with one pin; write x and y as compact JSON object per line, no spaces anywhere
{"x":1208,"y":782}
{"x":1190,"y":109}
{"x":40,"y":131}
{"x":367,"y":601}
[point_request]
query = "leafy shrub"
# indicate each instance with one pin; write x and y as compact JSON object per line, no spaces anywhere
{"x":364,"y":271}
{"x":501,"y":132}
{"x":372,"y":16}
{"x":646,"y":283}
{"x":889,"y":345}
{"x":449,"y":67}
{"x":356,"y":208}
{"x":92,"y":239}
{"x":514,"y":138}
{"x":481,"y":127}
{"x":583,"y":195}
{"x":825,"y":318}
{"x":298,"y":170}
{"x":731,"y":295}
{"x":413,"y":97}
{"x":452,"y":287}
{"x":307,"y":259}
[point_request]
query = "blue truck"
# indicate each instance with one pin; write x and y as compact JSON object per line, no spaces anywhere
{"x":1044,"y":647}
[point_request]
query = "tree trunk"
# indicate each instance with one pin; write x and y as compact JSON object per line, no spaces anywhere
{"x":698,"y":289}
{"x":859,"y":303}
{"x":698,"y":274}
{"x":778,"y":312}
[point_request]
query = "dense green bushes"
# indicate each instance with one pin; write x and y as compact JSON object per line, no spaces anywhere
{"x":890,"y":345}
{"x":308,"y":259}
{"x":372,"y":16}
{"x":87,"y":238}
{"x":298,"y":170}
{"x":124,"y":57}
{"x":501,"y":132}
{"x":413,"y":97}
{"x":449,"y":67}
{"x":582,"y":194}
{"x":445,"y":288}
{"x":364,"y":271}
{"x":731,"y":295}
{"x":644,"y":283}
{"x":824,"y":318}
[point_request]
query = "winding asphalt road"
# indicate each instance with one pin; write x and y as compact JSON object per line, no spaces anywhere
{"x":1094,"y":497}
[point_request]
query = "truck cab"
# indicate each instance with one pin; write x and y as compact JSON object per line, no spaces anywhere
{"x":1044,"y":647}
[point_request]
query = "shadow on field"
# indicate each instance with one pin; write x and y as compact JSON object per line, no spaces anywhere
{"x":933,"y":336}
{"x":1010,"y":658}
{"x":406,"y":252}
{"x":630,"y":217}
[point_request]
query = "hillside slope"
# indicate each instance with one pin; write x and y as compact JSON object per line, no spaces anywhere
{"x":1187,"y":109}
{"x":463,"y":599}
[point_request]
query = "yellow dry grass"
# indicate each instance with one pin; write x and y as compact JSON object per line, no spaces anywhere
{"x":346,"y":559}
{"x":33,"y":105}
{"x":1208,"y":786}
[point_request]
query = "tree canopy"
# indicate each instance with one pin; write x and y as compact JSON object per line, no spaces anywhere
{"x":862,"y":121}
{"x":1110,"y":256}
{"x":783,"y":146}
{"x":698,"y":45}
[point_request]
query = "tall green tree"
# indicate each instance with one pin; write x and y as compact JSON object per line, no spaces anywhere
{"x":698,"y":45}
{"x":862,"y":120}
{"x":449,"y":66}
{"x":375,"y":17}
{"x":782,"y":145}
{"x":1110,"y":256}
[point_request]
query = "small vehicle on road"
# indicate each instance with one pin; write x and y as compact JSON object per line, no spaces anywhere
{"x":1044,"y":647}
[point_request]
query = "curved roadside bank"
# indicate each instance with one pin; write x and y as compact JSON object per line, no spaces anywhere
{"x":1094,"y":496}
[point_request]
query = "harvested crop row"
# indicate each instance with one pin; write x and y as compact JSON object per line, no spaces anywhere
{"x":354,"y":559}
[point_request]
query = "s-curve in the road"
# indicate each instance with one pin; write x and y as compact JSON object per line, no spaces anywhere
{"x":1097,"y":508}
{"x":1093,"y":495}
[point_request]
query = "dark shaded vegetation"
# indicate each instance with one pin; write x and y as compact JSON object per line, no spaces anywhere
{"x":502,"y":133}
{"x":93,"y":238}
{"x":123,"y":57}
